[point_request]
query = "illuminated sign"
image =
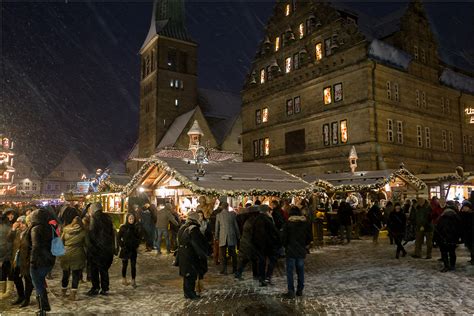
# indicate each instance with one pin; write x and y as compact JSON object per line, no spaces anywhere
{"x":470,"y":114}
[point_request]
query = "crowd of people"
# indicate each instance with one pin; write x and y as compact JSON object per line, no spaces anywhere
{"x":256,"y":234}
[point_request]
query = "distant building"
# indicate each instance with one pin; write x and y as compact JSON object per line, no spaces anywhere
{"x":7,"y":170}
{"x":170,"y":100}
{"x":65,"y":176}
{"x":326,"y":79}
{"x":27,"y":179}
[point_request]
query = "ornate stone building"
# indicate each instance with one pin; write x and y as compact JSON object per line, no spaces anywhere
{"x":326,"y":79}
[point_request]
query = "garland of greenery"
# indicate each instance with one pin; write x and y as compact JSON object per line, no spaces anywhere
{"x":186,"y":183}
{"x":402,"y":173}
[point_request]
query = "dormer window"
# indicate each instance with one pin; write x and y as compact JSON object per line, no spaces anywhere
{"x":287,"y":10}
{"x":277,"y":43}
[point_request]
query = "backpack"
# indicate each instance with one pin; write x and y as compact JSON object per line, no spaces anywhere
{"x":57,"y":246}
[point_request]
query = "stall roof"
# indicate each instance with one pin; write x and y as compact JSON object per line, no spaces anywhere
{"x":221,"y":178}
{"x":364,"y":180}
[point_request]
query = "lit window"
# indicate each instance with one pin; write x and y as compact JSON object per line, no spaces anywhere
{"x":427,"y":137}
{"x":287,"y":64}
{"x":326,"y":140}
{"x":415,"y":52}
{"x":301,"y":30}
{"x":395,"y":90}
{"x":289,"y":107}
{"x":423,"y":99}
{"x":400,"y":132}
{"x":171,"y":83}
{"x":265,"y":115}
{"x":176,"y":102}
{"x":267,"y":146}
{"x":343,"y":127}
{"x":327,"y":95}
{"x":258,"y":117}
{"x":335,"y":133}
{"x":262,"y":75}
{"x":390,"y":130}
{"x":287,"y":10}
{"x":418,"y":98}
{"x":297,"y":103}
{"x":176,"y":83}
{"x":419,"y":136}
{"x":451,"y":141}
{"x":277,"y":43}
{"x":327,"y":46}
{"x":389,"y":90}
{"x":338,"y":92}
{"x":319,"y":51}
{"x":444,"y":140}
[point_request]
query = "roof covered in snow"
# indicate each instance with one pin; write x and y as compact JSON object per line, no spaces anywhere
{"x":386,"y":53}
{"x":221,"y":178}
{"x":457,"y":80}
{"x":176,"y":129}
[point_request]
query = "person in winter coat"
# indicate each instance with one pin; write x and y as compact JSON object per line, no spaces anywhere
{"x":101,"y":250}
{"x":296,"y":237}
{"x":192,"y":258}
{"x":397,"y":224}
{"x":266,"y":239}
{"x":212,"y":222}
{"x":40,"y":236}
{"x":20,"y":259}
{"x":386,"y":215}
{"x":228,"y":235}
{"x":206,"y":232}
{"x":374,"y":215}
{"x":247,"y":252}
{"x":6,"y":287}
{"x":467,"y":216}
{"x":421,"y":218}
{"x":129,"y":239}
{"x":163,"y":218}
{"x":345,"y":216}
{"x":147,"y":220}
{"x":277,"y":214}
{"x":75,"y":241}
{"x":448,"y":229}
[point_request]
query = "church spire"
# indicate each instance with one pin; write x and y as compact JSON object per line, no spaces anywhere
{"x":168,"y":19}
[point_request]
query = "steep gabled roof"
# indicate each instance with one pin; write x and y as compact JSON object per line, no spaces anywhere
{"x":175,"y":130}
{"x":69,"y":163}
{"x":167,"y":19}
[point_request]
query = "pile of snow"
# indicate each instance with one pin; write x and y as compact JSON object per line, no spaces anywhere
{"x":457,"y":80}
{"x":387,"y":53}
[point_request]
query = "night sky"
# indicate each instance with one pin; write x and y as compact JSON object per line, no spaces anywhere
{"x":70,"y":71}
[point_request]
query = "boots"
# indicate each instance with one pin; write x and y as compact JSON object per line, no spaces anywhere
{"x":43,"y":304}
{"x":26,"y":302}
{"x":9,"y":290}
{"x":19,"y":300}
{"x":72,"y":295}
{"x":64,"y":292}
{"x":124,"y":281}
{"x":134,"y":284}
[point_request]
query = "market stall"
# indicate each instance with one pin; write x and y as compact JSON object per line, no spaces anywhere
{"x":451,"y":186}
{"x":183,"y":180}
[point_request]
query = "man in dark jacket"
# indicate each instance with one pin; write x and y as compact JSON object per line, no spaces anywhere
{"x":376,"y":220}
{"x":41,"y":261}
{"x":101,"y":250}
{"x":421,"y":217}
{"x":467,"y":216}
{"x":267,"y":242}
{"x":192,"y":258}
{"x":212,"y":223}
{"x":296,"y":237}
{"x":247,"y":251}
{"x":345,"y":215}
{"x":448,"y":231}
{"x":277,"y":214}
{"x":147,"y":220}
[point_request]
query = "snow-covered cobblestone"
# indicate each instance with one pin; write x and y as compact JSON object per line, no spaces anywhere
{"x":359,"y":278}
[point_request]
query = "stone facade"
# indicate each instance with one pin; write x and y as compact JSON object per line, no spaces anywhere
{"x":392,"y":109}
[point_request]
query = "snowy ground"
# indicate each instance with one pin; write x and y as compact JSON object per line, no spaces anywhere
{"x":358,"y":278}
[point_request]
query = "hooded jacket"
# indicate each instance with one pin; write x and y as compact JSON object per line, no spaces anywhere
{"x":192,"y":258}
{"x":128,"y":239}
{"x":75,"y":240}
{"x":102,"y":244}
{"x":40,"y":237}
{"x":449,"y":229}
{"x":296,"y":236}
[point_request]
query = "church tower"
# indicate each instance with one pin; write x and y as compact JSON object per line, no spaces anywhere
{"x":168,"y":85}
